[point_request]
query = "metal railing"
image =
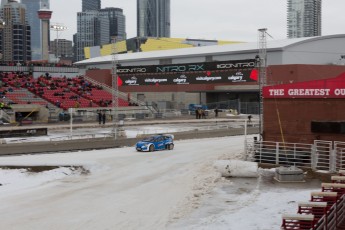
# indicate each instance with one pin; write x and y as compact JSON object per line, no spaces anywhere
{"x":339,"y":148}
{"x":44,"y":69}
{"x":90,"y":114}
{"x":85,"y":137}
{"x":4,"y":116}
{"x":318,"y":156}
{"x":333,"y":217}
{"x":241,"y":107}
{"x":279,"y":153}
{"x":326,"y":211}
{"x":121,"y":95}
{"x":110,"y":90}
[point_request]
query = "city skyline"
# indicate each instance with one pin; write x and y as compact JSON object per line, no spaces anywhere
{"x":153,"y":18}
{"x":225,"y":20}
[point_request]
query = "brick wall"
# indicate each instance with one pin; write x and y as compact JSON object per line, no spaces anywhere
{"x":296,"y":115}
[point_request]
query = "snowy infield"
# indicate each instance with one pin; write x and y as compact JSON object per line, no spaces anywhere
{"x":125,"y":189}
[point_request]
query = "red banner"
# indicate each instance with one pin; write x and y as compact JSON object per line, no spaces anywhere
{"x":328,"y":88}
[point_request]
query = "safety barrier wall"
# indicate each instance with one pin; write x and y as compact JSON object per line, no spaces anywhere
{"x":43,"y":69}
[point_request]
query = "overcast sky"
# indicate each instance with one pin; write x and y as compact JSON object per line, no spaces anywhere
{"x":210,"y":19}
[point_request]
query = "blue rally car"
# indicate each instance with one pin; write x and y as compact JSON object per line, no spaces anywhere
{"x":156,"y":142}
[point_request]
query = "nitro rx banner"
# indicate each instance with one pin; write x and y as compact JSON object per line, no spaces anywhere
{"x":190,"y":67}
{"x":204,"y":77}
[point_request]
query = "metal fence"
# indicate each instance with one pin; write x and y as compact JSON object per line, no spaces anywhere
{"x":241,"y":107}
{"x":334,"y":217}
{"x":322,"y":155}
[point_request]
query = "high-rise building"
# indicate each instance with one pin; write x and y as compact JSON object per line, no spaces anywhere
{"x":91,"y":5}
{"x":92,"y":30}
{"x":61,"y":48}
{"x":32,"y":6}
{"x":96,"y":27}
{"x":3,"y":2}
{"x":16,"y":34}
{"x":303,"y":18}
{"x":153,"y":18}
{"x":117,"y":22}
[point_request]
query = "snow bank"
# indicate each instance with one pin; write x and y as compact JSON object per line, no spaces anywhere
{"x":237,"y":168}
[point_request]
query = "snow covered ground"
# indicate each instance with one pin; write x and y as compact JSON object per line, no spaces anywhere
{"x":125,"y":189}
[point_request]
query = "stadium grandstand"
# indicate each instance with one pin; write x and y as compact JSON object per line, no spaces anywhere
{"x":44,"y":98}
{"x":141,"y":44}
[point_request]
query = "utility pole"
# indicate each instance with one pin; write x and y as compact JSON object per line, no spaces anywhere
{"x":115,"y":87}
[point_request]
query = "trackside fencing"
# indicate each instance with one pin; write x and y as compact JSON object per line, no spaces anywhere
{"x":324,"y":211}
{"x":339,"y":148}
{"x":322,"y":155}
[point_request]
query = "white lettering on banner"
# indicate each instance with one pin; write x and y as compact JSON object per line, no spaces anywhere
{"x":338,"y":92}
{"x":131,"y":82}
{"x":235,"y":78}
{"x":308,"y":92}
{"x":181,"y":68}
{"x":236,"y":65}
{"x":276,"y":92}
{"x":134,"y":70}
{"x":180,"y":81}
{"x":154,"y":80}
{"x":208,"y":78}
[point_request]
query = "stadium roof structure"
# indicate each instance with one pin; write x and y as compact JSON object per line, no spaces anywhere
{"x":147,"y":44}
{"x":321,"y":45}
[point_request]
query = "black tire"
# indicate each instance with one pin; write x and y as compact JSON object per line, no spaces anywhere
{"x":171,"y":146}
{"x":151,"y":148}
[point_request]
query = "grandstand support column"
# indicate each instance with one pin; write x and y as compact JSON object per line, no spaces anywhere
{"x":261,"y":64}
{"x":115,"y":94}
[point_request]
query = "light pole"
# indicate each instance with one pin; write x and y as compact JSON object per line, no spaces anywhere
{"x":258,"y":66}
{"x":261,"y":60}
{"x":58,"y":28}
{"x":114,"y":85}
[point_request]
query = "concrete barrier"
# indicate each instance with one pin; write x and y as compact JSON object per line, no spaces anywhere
{"x":109,"y":142}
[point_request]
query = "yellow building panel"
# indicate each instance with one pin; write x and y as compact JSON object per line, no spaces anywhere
{"x":163,"y":44}
{"x":87,"y":52}
{"x":106,"y":49}
{"x":151,"y":44}
{"x":120,"y":47}
{"x":228,"y":42}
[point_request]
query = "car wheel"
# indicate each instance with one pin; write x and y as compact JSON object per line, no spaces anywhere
{"x":152,"y":148}
{"x":171,"y":146}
